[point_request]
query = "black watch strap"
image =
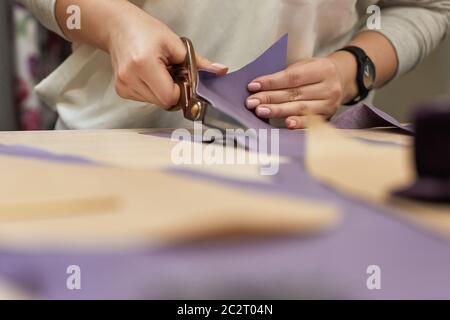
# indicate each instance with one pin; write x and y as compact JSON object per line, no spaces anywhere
{"x":363,"y":62}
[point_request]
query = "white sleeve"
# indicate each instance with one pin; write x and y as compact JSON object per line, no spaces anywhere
{"x":414,"y":27}
{"x":44,"y":11}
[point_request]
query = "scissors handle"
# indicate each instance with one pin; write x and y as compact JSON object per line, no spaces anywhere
{"x":185,"y":75}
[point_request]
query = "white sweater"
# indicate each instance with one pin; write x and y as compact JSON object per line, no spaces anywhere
{"x":232,"y":32}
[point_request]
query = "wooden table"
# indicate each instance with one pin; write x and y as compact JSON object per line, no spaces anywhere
{"x":132,"y":149}
{"x":127,"y":148}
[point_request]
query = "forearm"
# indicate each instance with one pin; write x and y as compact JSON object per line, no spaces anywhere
{"x":414,"y":27}
{"x":380,"y":51}
{"x":99,"y":19}
{"x":411,"y":29}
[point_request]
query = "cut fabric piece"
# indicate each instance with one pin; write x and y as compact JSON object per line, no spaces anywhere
{"x":369,"y":172}
{"x":228,"y":93}
{"x":365,"y":116}
{"x":41,"y":154}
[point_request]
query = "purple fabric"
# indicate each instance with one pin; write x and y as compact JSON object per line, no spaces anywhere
{"x":330,"y":265}
{"x":41,"y":154}
{"x":228,"y":93}
{"x":364,"y":116}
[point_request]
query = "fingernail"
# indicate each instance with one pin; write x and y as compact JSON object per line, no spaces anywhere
{"x":218,"y":66}
{"x":254,"y":86}
{"x":263,"y":111}
{"x":253,"y":103}
{"x":291,"y":124}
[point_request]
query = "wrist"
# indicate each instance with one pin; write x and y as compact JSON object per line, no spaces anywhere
{"x":119,"y":20}
{"x":347,"y":67}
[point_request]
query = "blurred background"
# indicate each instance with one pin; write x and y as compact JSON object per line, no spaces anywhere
{"x":28,"y":53}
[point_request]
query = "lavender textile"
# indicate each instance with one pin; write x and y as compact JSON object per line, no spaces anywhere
{"x":331,"y":265}
{"x":364,"y":116}
{"x":41,"y":154}
{"x":228,"y":94}
{"x":413,"y":264}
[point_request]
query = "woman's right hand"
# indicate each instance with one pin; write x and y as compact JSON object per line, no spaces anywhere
{"x":141,"y":48}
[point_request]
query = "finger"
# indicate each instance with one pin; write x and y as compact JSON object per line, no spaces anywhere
{"x":137,"y":90}
{"x":296,"y":122}
{"x":176,"y":51}
{"x":294,"y":108}
{"x":205,"y":64}
{"x":316,"y":91}
{"x":178,"y":54}
{"x":295,"y":76}
{"x":128,"y":93}
{"x":145,"y":91}
{"x":138,"y":97}
{"x":157,"y":77}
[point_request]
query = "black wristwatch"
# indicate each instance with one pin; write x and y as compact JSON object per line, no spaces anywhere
{"x":366,"y":74}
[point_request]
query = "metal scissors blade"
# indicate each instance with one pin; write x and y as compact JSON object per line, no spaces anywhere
{"x":194,"y":107}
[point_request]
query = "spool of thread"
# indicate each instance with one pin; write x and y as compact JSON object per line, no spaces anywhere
{"x":431,"y":153}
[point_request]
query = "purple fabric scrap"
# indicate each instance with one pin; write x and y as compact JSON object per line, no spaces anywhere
{"x":24,"y":151}
{"x":365,"y":116}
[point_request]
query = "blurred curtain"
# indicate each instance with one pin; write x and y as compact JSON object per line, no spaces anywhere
{"x":37,"y":53}
{"x":8,"y":119}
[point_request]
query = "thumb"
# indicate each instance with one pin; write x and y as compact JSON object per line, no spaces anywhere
{"x":205,"y":64}
{"x":177,"y":50}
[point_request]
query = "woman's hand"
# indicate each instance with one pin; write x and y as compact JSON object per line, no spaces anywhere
{"x":141,"y":49}
{"x":313,"y":86}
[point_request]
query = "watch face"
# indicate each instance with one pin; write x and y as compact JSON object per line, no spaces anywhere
{"x":369,"y":75}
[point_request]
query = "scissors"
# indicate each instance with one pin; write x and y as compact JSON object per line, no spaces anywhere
{"x":194,"y":107}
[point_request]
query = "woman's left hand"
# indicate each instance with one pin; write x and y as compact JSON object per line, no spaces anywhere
{"x":313,"y":86}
